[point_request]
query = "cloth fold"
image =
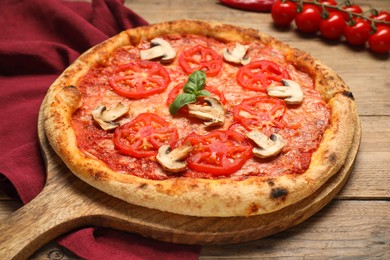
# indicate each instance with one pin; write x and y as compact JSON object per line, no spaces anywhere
{"x":114,"y":244}
{"x":39,"y":39}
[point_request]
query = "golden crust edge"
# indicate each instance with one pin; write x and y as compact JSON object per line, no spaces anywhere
{"x":199,"y":197}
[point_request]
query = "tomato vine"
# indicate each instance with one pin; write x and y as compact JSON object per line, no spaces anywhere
{"x":334,"y":20}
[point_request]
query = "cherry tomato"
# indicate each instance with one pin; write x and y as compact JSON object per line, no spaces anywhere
{"x":283,"y":13}
{"x":332,"y":27}
{"x":327,"y":2}
{"x":202,"y":58}
{"x":144,"y":135}
{"x":357,"y":33}
{"x":381,"y":16}
{"x":220,"y":152}
{"x":260,"y":112}
{"x":139,"y":79}
{"x":258,"y":75}
{"x":379,"y":41}
{"x":355,"y":9}
{"x":308,"y":21}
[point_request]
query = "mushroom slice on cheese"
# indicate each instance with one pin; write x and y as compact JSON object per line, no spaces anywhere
{"x":213,"y":111}
{"x":160,"y":48}
{"x":237,"y":54}
{"x":106,"y":117}
{"x":291,"y":92}
{"x":267,"y":147}
{"x":172,"y":160}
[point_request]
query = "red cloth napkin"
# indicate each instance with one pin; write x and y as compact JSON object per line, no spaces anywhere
{"x":38,"y":40}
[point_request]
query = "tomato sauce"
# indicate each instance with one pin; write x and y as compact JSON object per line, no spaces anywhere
{"x":303,"y":125}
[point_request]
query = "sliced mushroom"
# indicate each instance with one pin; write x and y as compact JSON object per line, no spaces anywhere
{"x":159,"y":49}
{"x":106,"y":117}
{"x":291,"y":92}
{"x":267,"y":146}
{"x":237,"y":55}
{"x":172,"y":160}
{"x":213,"y":112}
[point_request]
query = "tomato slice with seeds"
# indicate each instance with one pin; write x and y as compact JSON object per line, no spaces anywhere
{"x":144,"y":135}
{"x":202,"y":58}
{"x":258,"y":75}
{"x":139,"y":79}
{"x":260,"y":112}
{"x":221,"y":152}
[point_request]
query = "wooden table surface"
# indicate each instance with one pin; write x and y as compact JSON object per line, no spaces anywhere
{"x":356,"y":224}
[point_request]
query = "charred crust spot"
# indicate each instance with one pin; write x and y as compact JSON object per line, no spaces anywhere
{"x":98,"y":175}
{"x":194,"y":186}
{"x":253,"y":208}
{"x":70,"y":93}
{"x":133,"y":40}
{"x":66,"y":75}
{"x":332,"y":158}
{"x":143,"y":186}
{"x":348,"y":94}
{"x":271,"y":183}
{"x":277,"y":193}
{"x":70,"y":88}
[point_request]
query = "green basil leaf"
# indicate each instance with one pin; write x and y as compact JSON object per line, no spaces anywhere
{"x":203,"y":93}
{"x":180,"y":101}
{"x":196,"y":82}
{"x":190,"y":88}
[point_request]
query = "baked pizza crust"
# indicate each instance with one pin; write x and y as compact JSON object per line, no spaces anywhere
{"x":195,"y":196}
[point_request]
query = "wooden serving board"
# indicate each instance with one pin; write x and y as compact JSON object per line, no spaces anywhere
{"x":67,"y":203}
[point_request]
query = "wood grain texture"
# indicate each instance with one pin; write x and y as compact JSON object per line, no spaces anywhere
{"x":342,"y":230}
{"x":370,"y":178}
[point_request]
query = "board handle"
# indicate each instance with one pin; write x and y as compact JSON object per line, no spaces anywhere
{"x":35,"y":224}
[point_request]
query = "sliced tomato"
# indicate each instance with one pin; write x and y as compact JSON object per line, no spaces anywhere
{"x":201,"y":58}
{"x":258,"y":75}
{"x":139,"y":79}
{"x":220,"y":152}
{"x":144,"y":135}
{"x":260,"y":112}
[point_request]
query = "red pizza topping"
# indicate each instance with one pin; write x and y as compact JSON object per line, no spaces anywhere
{"x":258,"y":75}
{"x":219,"y":152}
{"x":260,"y":112}
{"x":201,"y":58}
{"x":144,"y":135}
{"x":139,"y":79}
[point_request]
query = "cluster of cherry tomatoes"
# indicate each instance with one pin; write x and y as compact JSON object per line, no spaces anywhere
{"x":336,"y":20}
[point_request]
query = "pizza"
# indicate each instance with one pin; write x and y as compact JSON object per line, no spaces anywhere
{"x":201,"y":119}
